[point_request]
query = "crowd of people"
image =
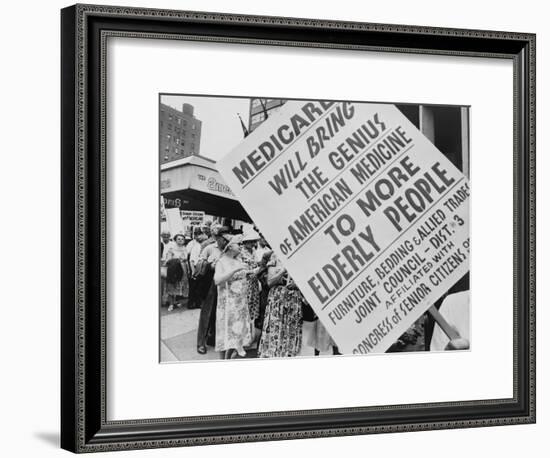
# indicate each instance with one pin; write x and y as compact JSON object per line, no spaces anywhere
{"x":250,"y":306}
{"x":248,"y":303}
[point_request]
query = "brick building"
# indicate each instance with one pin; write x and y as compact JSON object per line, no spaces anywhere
{"x":180,"y":133}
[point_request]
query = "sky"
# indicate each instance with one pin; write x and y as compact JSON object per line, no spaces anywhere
{"x":221,"y":128}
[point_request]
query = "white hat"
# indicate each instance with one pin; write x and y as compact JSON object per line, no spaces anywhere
{"x":250,"y":236}
{"x":232,"y":240}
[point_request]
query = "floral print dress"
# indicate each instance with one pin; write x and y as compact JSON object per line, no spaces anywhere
{"x":233,"y":326}
{"x":252,"y":284}
{"x":282,"y":328}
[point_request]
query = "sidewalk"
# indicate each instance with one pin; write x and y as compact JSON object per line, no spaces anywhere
{"x":178,"y":331}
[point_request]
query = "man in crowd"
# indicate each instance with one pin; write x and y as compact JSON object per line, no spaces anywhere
{"x":206,"y":265}
{"x":194,"y":249}
{"x":206,"y":229}
{"x":165,"y":244}
{"x":202,"y":283}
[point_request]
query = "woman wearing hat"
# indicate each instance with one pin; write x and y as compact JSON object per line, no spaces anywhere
{"x":248,"y":257}
{"x":177,"y":279}
{"x":233,"y":330}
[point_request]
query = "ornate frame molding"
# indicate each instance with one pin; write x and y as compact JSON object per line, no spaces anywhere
{"x":85,"y":31}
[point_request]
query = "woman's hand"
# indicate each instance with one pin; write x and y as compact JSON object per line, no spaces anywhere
{"x":275,"y":276}
{"x":291,"y":285}
{"x":458,"y":344}
{"x":253,"y":272}
{"x":238,"y":269}
{"x":238,"y":273}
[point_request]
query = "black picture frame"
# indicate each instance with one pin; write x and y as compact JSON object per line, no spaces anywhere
{"x":84,"y":30}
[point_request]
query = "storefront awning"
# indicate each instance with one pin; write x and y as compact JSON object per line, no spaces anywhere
{"x":193,"y":183}
{"x":194,"y":172}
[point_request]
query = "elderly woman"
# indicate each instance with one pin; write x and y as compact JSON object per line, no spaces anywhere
{"x":282,"y":327}
{"x":233,"y":329}
{"x":177,"y":272}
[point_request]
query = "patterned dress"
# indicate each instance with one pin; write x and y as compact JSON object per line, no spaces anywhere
{"x":252,"y":284}
{"x":180,"y":288}
{"x":233,"y":327}
{"x":282,"y":328}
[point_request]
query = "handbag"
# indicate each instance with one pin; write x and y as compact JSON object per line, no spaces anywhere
{"x":174,"y":271}
{"x":201,"y":267}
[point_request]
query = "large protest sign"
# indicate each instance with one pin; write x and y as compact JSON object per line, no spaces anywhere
{"x":370,"y":219}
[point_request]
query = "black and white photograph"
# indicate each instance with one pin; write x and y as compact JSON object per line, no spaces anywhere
{"x":312,"y":228}
{"x":275,"y":229}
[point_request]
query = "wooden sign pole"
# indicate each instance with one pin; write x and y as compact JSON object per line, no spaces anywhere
{"x":443,"y":323}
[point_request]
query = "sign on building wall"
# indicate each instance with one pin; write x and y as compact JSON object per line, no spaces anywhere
{"x":195,"y":177}
{"x":212,"y":183}
{"x":192,"y":218}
